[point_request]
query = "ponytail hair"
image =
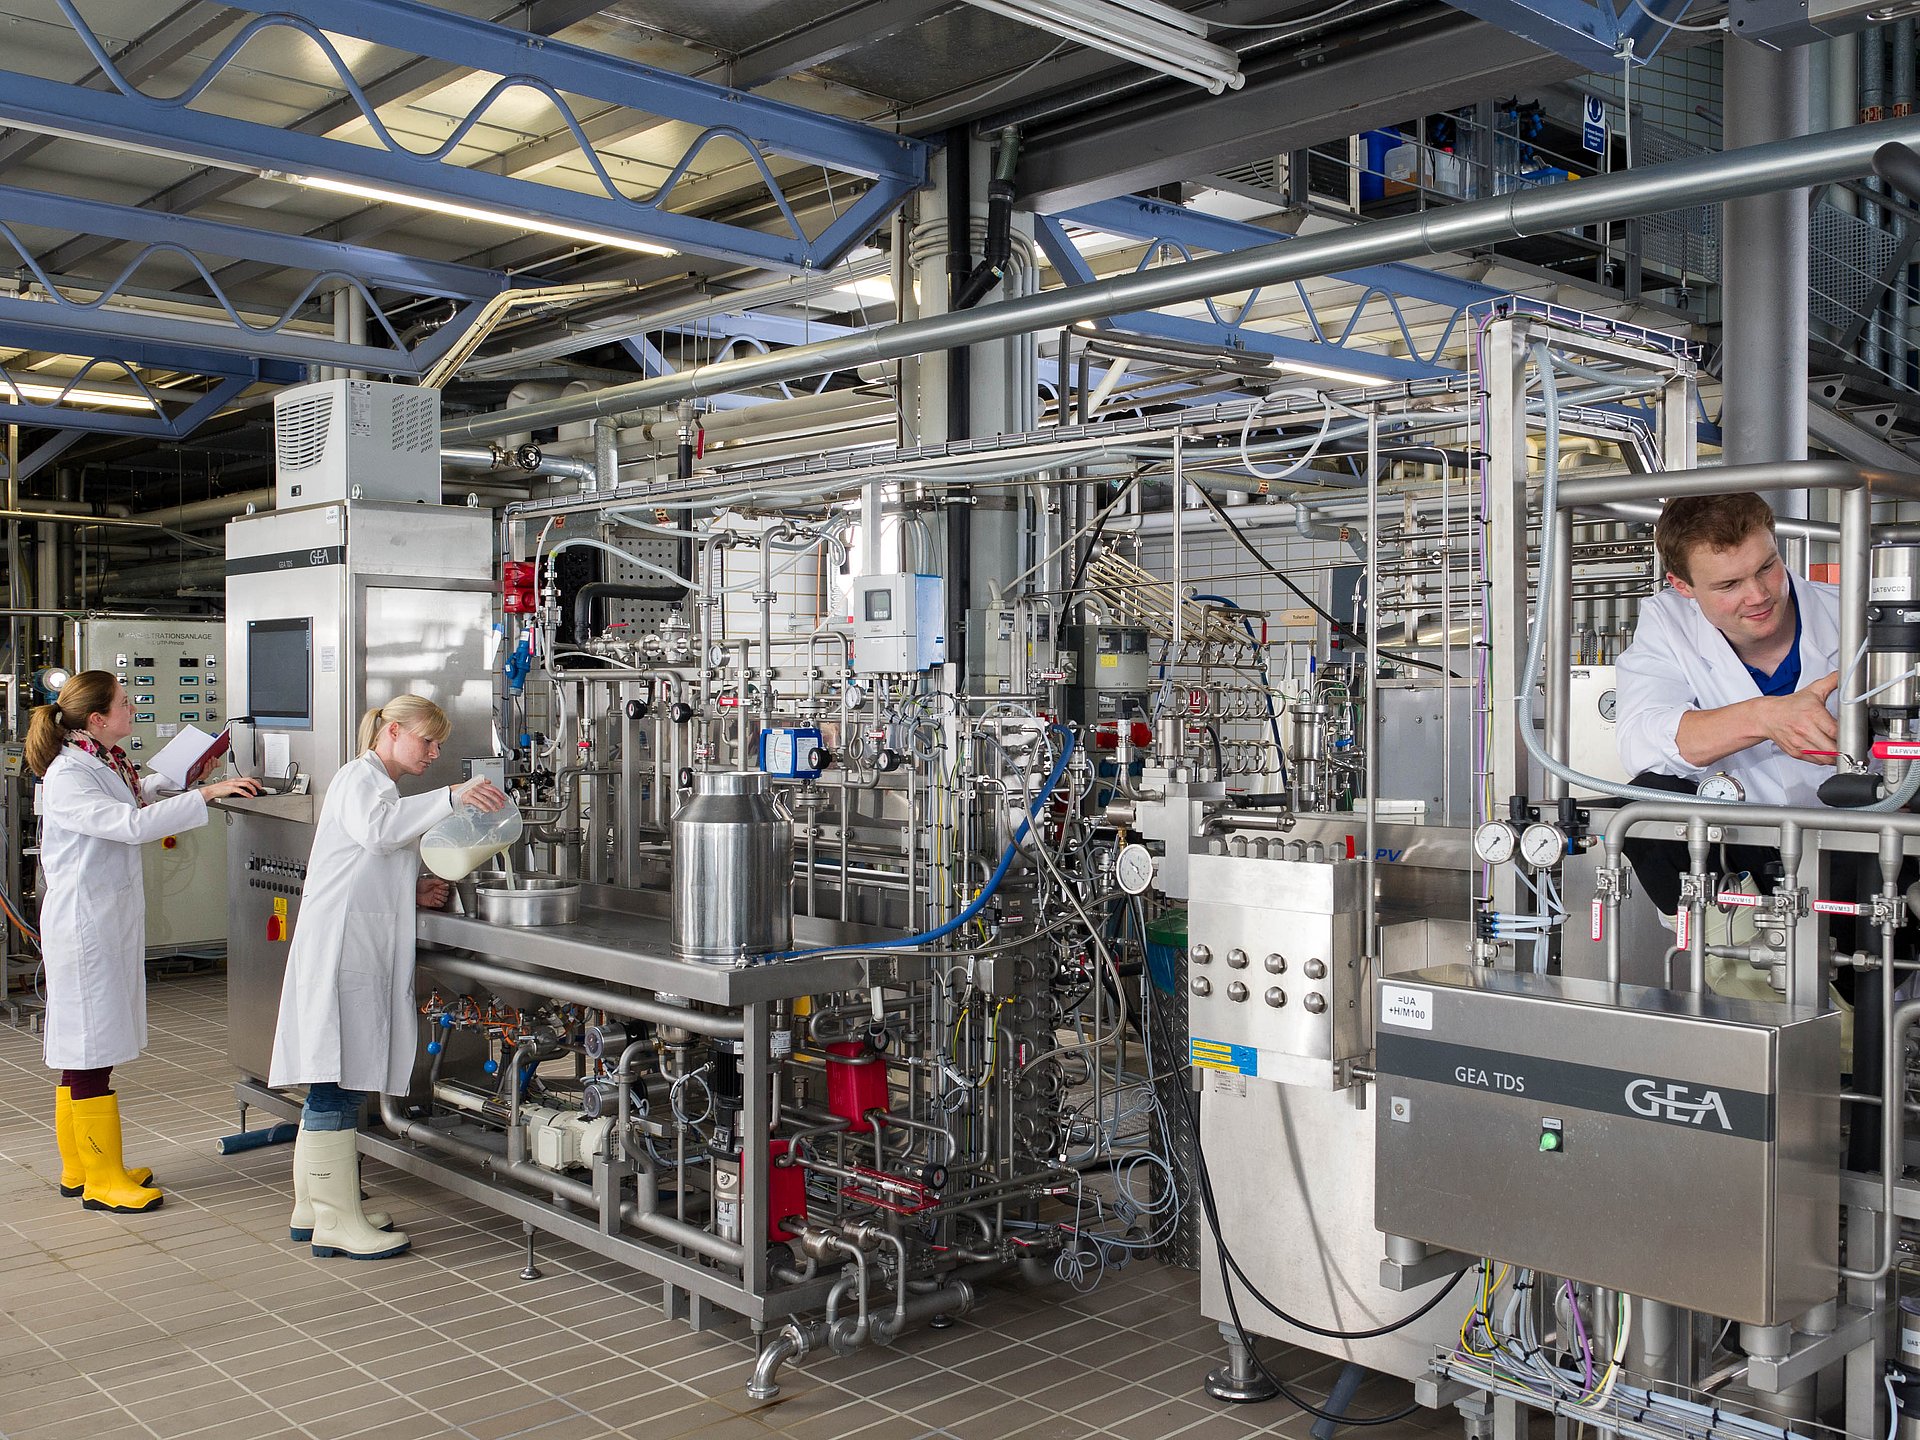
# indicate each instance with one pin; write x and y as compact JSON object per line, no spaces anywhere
{"x":411,"y":712}
{"x":87,"y":694}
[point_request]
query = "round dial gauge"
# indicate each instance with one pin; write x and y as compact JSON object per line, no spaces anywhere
{"x":1542,"y":845}
{"x":1133,"y":869}
{"x":1609,"y":702}
{"x":1722,"y":786}
{"x":1495,"y":842}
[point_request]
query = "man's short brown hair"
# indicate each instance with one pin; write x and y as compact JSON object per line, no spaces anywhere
{"x":1720,"y":522}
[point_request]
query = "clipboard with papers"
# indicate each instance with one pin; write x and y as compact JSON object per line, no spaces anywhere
{"x":182,"y":755}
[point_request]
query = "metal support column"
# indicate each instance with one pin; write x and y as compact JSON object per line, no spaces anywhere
{"x":1764,"y":270}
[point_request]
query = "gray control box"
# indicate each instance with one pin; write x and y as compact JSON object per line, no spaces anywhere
{"x":1684,"y":1148}
{"x":1273,"y":956}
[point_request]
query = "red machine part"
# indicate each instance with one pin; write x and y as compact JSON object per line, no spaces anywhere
{"x":888,"y":1192}
{"x":517,"y":585}
{"x":786,"y":1191}
{"x":856,"y":1083}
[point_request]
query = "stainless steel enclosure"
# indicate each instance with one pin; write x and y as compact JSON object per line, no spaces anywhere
{"x":1678,"y":1147}
{"x":397,"y":599}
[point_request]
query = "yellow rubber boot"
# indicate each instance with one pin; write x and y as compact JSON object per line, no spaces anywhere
{"x":73,"y":1176}
{"x":96,"y":1135}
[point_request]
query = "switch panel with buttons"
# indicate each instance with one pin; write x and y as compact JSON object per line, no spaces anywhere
{"x":1258,"y":907}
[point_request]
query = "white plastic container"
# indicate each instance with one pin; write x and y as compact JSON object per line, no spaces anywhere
{"x":468,"y":839}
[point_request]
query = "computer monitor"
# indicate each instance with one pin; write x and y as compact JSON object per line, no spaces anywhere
{"x":280,"y":673}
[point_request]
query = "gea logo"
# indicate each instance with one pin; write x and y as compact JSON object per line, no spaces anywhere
{"x":1676,"y":1103}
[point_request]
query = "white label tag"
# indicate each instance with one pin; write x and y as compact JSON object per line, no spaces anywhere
{"x":1599,"y":921}
{"x":1229,"y":1082}
{"x":1406,"y":1007}
{"x":1682,"y":929}
{"x":1886,"y":587}
{"x":1837,"y":907}
{"x":1736,"y":897}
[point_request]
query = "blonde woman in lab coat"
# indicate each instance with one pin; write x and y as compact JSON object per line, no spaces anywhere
{"x":348,"y":1026}
{"x":95,"y":814}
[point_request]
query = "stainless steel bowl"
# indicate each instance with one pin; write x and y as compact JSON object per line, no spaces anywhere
{"x":535,"y":900}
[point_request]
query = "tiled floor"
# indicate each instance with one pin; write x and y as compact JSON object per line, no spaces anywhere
{"x":202,"y":1320}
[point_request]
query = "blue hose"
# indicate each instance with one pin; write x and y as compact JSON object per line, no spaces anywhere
{"x":986,"y":892}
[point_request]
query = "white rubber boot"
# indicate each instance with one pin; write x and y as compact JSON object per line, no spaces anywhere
{"x":331,"y":1165}
{"x":300,"y":1223}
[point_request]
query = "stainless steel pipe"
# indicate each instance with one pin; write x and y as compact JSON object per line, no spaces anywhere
{"x":1699,"y":180}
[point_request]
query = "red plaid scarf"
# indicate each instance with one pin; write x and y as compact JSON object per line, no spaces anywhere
{"x":114,"y":759}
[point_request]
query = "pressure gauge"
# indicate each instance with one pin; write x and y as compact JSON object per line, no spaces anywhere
{"x":1609,"y":703}
{"x":1542,"y":846}
{"x":1133,"y":869}
{"x":856,"y":695}
{"x":1722,"y":786}
{"x":1495,"y":842}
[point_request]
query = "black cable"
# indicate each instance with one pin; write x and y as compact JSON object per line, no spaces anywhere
{"x":1340,"y":626}
{"x":1229,"y":1265}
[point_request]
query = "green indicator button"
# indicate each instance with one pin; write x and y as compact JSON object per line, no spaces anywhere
{"x":1549,"y":1140}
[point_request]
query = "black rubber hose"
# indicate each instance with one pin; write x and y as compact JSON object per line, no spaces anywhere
{"x":593,"y":590}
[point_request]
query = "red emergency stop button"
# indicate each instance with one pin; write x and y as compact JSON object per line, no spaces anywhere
{"x":276,"y":928}
{"x":170,"y":842}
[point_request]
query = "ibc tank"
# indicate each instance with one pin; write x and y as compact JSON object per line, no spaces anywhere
{"x":732,"y":871}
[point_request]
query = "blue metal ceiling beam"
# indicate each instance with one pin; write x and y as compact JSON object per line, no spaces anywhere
{"x":40,"y":332}
{"x":1280,"y":347}
{"x":773,"y":329}
{"x":1135,"y":215}
{"x":1588,"y":33}
{"x":90,"y":422}
{"x":86,"y":331}
{"x":127,"y":116}
{"x":574,"y":70}
{"x":1139,"y":219}
{"x":46,"y":454}
{"x":382,"y":268}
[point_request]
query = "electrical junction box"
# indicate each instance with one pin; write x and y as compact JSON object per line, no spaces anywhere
{"x":493,"y":768}
{"x":1558,"y":1123}
{"x":355,"y":439}
{"x":1591,"y":724}
{"x":899,"y":624}
{"x":784,"y":752}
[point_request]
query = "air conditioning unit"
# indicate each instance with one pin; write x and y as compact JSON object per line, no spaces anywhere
{"x":356,"y":440}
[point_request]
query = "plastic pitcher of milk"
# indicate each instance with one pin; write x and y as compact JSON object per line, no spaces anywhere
{"x":468,"y":838}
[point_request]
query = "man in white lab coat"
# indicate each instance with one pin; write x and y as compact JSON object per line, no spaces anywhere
{"x":1732,"y":669}
{"x":1729,"y":683}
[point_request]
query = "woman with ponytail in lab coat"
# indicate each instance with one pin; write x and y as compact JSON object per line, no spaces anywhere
{"x":95,"y":814}
{"x":348,"y":1026}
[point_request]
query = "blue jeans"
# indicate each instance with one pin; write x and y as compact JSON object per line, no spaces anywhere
{"x":329,"y":1107}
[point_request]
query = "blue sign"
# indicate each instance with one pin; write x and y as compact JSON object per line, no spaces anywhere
{"x":1593,"y":125}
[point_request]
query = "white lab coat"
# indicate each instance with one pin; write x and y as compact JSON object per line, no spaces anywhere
{"x":346,"y":1007}
{"x":93,"y":906}
{"x":1679,"y":662}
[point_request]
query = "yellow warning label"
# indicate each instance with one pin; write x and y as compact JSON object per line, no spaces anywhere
{"x":280,"y":906}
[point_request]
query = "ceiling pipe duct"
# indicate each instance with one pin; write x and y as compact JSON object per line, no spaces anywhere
{"x":1699,"y":180}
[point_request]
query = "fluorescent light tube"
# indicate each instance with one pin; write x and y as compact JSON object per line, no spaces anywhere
{"x":1327,"y":372}
{"x":16,"y":392}
{"x":1156,"y":36}
{"x":470,"y":212}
